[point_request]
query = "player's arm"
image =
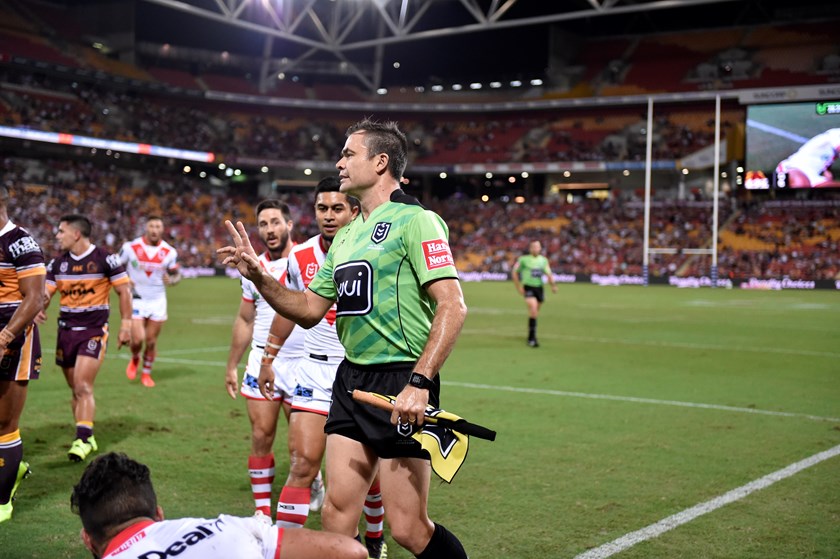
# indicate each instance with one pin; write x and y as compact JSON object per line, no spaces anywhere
{"x":243,"y":330}
{"x":450,"y":313}
{"x":517,"y":283}
{"x":32,"y":289}
{"x":124,"y":293}
{"x":280,"y":330}
{"x":303,"y":307}
{"x":172,"y":275}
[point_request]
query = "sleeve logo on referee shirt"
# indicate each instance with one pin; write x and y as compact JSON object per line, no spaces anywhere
{"x":437,"y":254}
{"x":354,"y":282}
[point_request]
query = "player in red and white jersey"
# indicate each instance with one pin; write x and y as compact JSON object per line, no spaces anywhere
{"x":152,"y":266}
{"x":121,"y":519}
{"x":251,"y":327}
{"x":315,"y":375}
{"x":809,"y":166}
{"x":22,"y":276}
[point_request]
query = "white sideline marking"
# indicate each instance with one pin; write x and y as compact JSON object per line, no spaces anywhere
{"x":197,"y":350}
{"x":653,"y":343}
{"x":655,"y":530}
{"x":638,"y":400}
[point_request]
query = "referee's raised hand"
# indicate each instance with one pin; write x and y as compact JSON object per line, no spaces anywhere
{"x":241,"y":255}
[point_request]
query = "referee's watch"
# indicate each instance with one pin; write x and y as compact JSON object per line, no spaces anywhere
{"x":419,"y":381}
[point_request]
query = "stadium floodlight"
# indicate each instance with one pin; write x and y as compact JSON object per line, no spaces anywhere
{"x":626,"y":172}
{"x":485,"y":198}
{"x":264,"y":169}
{"x":536,"y":81}
{"x":525,"y":174}
{"x":307,"y":172}
{"x":381,"y":91}
{"x":495,"y":85}
{"x":187,"y":169}
{"x":396,"y":65}
{"x":519,"y":199}
{"x":685,"y":171}
{"x":488,"y":175}
{"x":516,"y":83}
{"x":567,"y":174}
{"x":475,"y":85}
{"x":437,"y":88}
{"x":457,"y":87}
{"x":511,"y":180}
{"x":443,"y":174}
{"x":222,"y":166}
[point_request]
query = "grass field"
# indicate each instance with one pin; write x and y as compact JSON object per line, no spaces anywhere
{"x":640,"y":404}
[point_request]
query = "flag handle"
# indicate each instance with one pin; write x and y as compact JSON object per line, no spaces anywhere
{"x":462,"y":425}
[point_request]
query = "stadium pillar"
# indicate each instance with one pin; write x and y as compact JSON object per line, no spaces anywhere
{"x":716,"y":183}
{"x":648,"y":163}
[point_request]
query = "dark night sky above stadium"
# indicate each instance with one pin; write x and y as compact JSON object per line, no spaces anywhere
{"x":507,"y":53}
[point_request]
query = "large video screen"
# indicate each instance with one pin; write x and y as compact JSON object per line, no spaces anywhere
{"x":793,"y":145}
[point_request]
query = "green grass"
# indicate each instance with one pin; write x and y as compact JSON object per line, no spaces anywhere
{"x":596,"y":437}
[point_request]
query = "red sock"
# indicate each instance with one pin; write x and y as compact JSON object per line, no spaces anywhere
{"x":374,"y":512}
{"x":261,"y":472}
{"x":293,"y":507}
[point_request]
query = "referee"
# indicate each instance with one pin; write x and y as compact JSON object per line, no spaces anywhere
{"x":399,"y":311}
{"x":528,"y":273}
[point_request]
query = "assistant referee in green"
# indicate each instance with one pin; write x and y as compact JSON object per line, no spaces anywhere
{"x":527,"y":275}
{"x":400,"y":309}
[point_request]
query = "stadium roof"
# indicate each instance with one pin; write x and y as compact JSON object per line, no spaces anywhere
{"x":403,"y":42}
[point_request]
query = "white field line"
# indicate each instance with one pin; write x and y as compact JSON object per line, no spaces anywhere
{"x":637,"y":400}
{"x":655,"y":530}
{"x":654,"y":343}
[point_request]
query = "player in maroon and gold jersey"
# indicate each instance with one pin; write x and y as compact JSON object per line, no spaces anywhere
{"x":21,"y":299}
{"x":83,"y":277}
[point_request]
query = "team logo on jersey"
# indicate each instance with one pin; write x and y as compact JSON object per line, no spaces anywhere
{"x":63,"y":267}
{"x":354,"y":281}
{"x":92,"y":268}
{"x":310,"y":271}
{"x":380,"y":231}
{"x":437,"y":254}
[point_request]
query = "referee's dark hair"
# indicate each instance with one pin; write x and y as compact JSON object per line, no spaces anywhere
{"x":79,"y":222}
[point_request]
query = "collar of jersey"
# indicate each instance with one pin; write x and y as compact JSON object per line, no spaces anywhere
{"x":126,"y":535}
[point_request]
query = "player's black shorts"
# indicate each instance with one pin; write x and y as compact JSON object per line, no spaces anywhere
{"x":367,"y":424}
{"x":536,"y":292}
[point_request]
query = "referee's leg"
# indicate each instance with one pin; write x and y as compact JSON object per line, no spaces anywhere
{"x":405,"y":495}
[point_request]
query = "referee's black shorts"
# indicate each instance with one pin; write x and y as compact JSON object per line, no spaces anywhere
{"x":367,"y":424}
{"x":534,"y":291}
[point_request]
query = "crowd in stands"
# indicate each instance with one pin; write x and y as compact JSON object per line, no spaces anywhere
{"x":45,"y":103}
{"x":799,"y":240}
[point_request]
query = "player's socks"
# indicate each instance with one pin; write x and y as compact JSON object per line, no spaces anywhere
{"x":293,"y":507}
{"x":11,"y":454}
{"x":84,"y":430}
{"x":131,"y":369}
{"x":261,"y":472}
{"x":532,"y":329}
{"x":374,"y":513}
{"x":148,"y":361}
{"x":443,"y":544}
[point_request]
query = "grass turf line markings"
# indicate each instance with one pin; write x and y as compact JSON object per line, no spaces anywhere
{"x":678,"y":403}
{"x":683,"y":517}
{"x":682,"y":345}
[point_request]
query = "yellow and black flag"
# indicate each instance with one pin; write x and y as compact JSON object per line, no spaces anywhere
{"x":444,"y":435}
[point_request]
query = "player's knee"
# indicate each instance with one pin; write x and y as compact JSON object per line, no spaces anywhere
{"x":411,"y":536}
{"x":303,"y":468}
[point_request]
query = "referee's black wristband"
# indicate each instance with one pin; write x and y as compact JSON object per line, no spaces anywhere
{"x":420,"y":381}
